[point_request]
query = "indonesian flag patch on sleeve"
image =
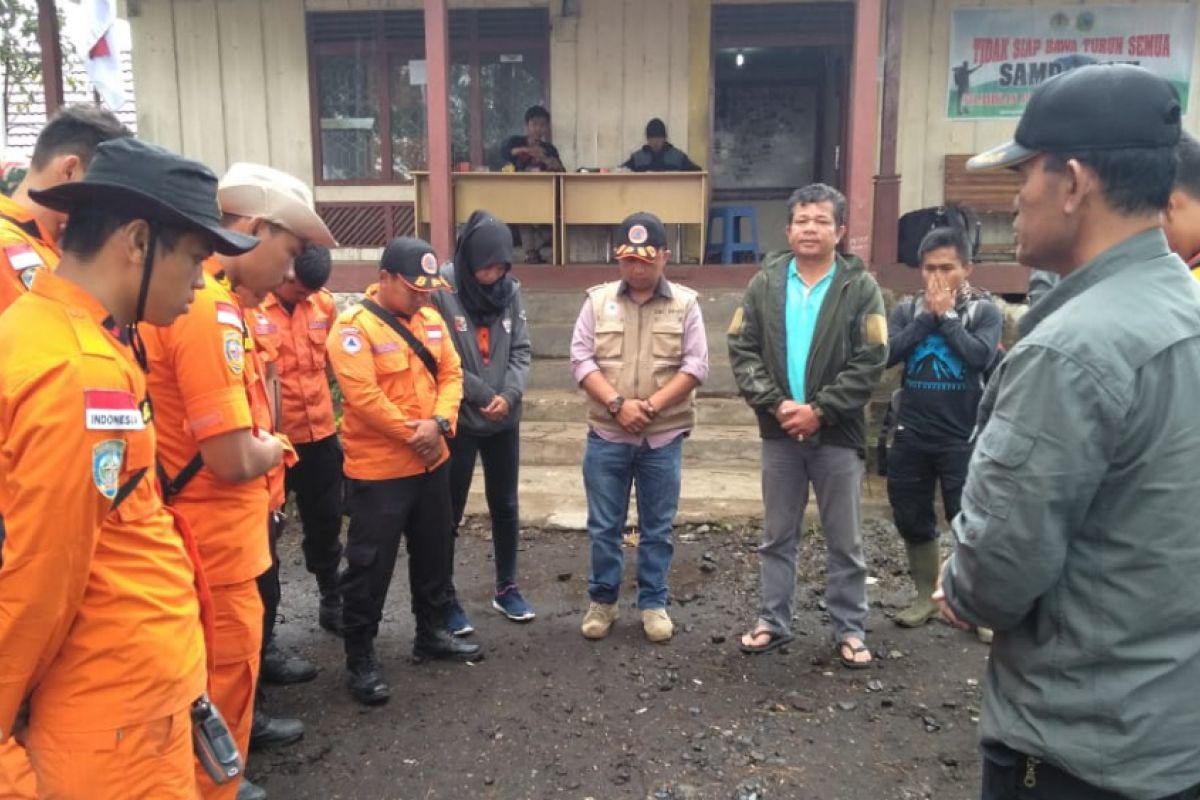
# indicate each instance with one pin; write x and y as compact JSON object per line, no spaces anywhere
{"x":22,"y":257}
{"x":112,"y":410}
{"x":227,"y":314}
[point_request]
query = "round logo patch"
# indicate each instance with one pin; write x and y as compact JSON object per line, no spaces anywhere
{"x":235,"y":352}
{"x":351,"y":343}
{"x":107,"y":457}
{"x":638,"y":235}
{"x":429,"y":264}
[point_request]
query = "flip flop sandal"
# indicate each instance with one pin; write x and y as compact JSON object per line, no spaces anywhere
{"x":774,"y":641}
{"x":850,"y":663}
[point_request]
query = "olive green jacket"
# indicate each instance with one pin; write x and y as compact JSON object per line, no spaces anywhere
{"x":845,"y":363}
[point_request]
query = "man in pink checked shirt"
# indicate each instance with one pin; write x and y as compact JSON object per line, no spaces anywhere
{"x":639,"y":351}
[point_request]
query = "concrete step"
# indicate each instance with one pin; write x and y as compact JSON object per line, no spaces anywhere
{"x":553,"y":496}
{"x":709,"y":446}
{"x":570,"y":407}
{"x":717,"y":305}
{"x":553,"y":340}
{"x":554,"y":374}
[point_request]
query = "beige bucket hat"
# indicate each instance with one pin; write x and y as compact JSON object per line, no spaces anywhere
{"x":254,"y":190}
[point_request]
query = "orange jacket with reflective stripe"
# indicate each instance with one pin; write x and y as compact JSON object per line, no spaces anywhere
{"x":385,"y":386}
{"x":25,"y":247}
{"x":100,"y":621}
{"x":204,"y":378}
{"x":306,"y":413}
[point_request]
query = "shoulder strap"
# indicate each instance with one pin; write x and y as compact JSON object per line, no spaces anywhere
{"x":173,"y":486}
{"x":416,"y":344}
{"x":30,"y":227}
{"x":127,"y":488}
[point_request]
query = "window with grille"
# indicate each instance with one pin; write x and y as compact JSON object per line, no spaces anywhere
{"x":368,"y":77}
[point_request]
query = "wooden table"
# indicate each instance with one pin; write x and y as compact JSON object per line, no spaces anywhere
{"x":518,"y":198}
{"x":677,"y":198}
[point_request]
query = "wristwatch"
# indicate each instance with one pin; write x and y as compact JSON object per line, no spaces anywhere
{"x":951,"y":314}
{"x":443,"y":425}
{"x":614,"y":406}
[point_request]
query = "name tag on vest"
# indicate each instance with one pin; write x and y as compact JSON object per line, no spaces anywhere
{"x":108,"y":410}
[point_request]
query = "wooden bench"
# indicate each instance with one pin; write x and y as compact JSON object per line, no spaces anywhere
{"x":985,"y":193}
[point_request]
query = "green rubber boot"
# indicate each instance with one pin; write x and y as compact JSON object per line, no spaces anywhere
{"x":923,"y":564}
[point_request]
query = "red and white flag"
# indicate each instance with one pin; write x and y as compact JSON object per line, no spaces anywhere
{"x":101,"y":55}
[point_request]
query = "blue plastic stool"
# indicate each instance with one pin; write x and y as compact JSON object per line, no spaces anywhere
{"x":731,"y":242}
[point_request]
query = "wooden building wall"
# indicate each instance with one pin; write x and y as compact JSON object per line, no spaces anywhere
{"x":926,"y":133}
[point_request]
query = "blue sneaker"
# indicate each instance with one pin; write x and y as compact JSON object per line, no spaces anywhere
{"x":509,"y":602}
{"x":457,"y":620}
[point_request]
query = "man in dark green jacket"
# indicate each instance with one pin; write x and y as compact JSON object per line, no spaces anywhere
{"x":808,"y":346}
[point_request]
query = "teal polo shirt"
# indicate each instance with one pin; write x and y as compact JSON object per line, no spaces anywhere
{"x":803,"y":306}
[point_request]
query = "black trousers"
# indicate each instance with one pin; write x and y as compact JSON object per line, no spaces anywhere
{"x":914,"y":468}
{"x":501,"y":455}
{"x":1009,"y":775}
{"x":268,"y":583}
{"x":417,"y":509}
{"x":318,"y":484}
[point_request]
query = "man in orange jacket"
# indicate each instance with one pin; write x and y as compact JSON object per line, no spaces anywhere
{"x":101,"y":642}
{"x":294,"y":322}
{"x":216,"y":445}
{"x":401,"y":386}
{"x":29,"y":242}
{"x":29,"y":231}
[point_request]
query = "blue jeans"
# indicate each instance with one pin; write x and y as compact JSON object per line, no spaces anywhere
{"x":609,"y":470}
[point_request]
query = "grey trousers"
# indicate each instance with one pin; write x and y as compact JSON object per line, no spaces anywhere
{"x":788,"y":467}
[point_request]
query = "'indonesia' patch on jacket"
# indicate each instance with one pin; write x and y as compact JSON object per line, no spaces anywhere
{"x":110,"y":410}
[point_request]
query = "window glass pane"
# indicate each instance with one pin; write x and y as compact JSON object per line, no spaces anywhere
{"x":408,"y":116}
{"x":460,"y":113}
{"x":509,"y":84}
{"x":349,"y":118}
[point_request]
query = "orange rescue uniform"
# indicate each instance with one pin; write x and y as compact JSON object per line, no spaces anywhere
{"x":385,"y":386}
{"x":99,"y":619}
{"x":25,"y":247}
{"x":205,"y":381}
{"x":299,"y":339}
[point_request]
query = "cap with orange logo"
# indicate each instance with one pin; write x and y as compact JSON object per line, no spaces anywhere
{"x":641,"y":236}
{"x":414,"y":261}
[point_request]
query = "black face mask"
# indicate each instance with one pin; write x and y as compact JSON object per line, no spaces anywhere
{"x":484,"y":240}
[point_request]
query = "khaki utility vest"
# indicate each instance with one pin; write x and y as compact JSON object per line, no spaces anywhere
{"x":639,"y":348}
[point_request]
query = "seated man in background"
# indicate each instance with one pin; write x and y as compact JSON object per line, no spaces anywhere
{"x":531,"y":152}
{"x":657,"y":154}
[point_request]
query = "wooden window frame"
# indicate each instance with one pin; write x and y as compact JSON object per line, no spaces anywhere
{"x":470,"y":50}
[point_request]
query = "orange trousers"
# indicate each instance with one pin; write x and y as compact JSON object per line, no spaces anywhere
{"x":16,"y":774}
{"x":150,"y":761}
{"x":238,"y":617}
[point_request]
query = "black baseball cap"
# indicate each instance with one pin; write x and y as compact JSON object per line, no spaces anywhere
{"x":414,"y":261}
{"x":641,"y":236}
{"x":129,"y":175}
{"x":1095,"y":107}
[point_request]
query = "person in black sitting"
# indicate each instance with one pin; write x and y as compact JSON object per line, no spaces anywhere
{"x":659,"y":155}
{"x":529,"y":151}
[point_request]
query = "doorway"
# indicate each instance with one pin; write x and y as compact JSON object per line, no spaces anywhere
{"x":780,"y":87}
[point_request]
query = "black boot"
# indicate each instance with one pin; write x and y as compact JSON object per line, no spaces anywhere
{"x":267,"y":731}
{"x":282,"y":669}
{"x":363,"y":677}
{"x":329,"y":612}
{"x":248,"y":791}
{"x":439,"y":643}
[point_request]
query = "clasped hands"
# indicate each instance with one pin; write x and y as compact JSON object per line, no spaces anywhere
{"x":798,"y":421}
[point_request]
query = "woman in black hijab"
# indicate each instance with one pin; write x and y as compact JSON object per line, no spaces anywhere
{"x":487,"y":324}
